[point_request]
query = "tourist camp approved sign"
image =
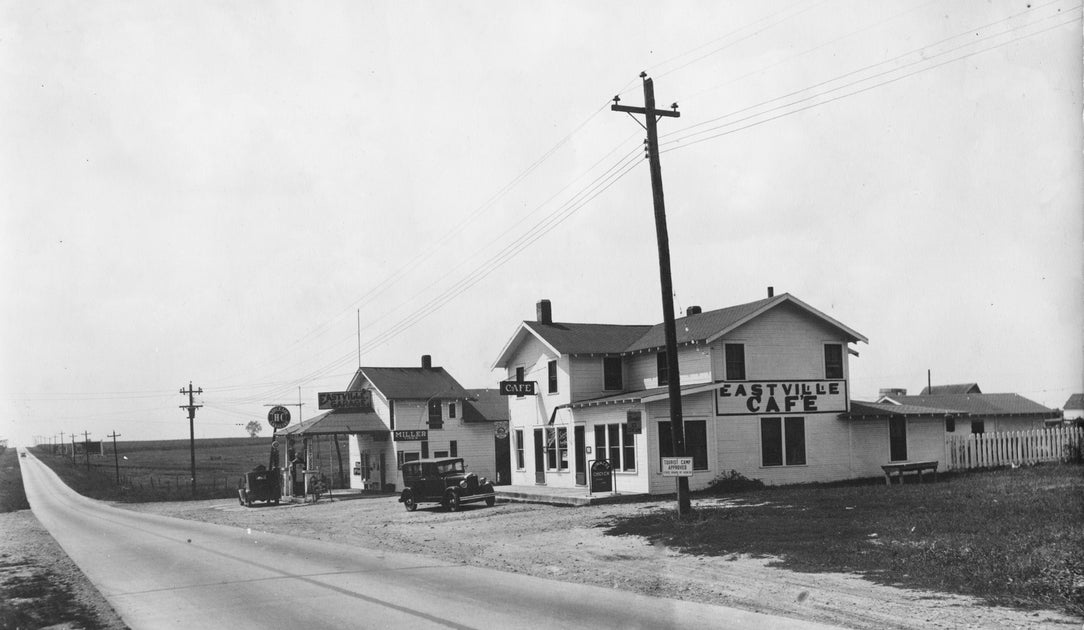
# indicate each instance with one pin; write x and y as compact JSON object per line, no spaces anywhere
{"x":677,"y":466}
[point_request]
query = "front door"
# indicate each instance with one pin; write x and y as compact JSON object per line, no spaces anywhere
{"x":501,"y":448}
{"x":897,"y":439}
{"x":581,"y":456}
{"x":539,"y":457}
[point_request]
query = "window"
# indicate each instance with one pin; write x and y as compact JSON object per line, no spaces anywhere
{"x":425,"y":450}
{"x":782,"y":441}
{"x":453,"y":448}
{"x":436,"y":415}
{"x":833,"y":360}
{"x":440,"y":453}
{"x":451,"y":410}
{"x":611,"y":374}
{"x":734,"y":354}
{"x":663,"y":368}
{"x":978,"y":426}
{"x":950,"y":424}
{"x":696,"y":442}
{"x":557,"y":448}
{"x":519,"y":378}
{"x":615,"y":443}
{"x":407,"y":456}
{"x":551,"y":373}
{"x":519,"y":450}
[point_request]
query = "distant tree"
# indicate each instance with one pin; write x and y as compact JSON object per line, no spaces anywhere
{"x":254,"y":427}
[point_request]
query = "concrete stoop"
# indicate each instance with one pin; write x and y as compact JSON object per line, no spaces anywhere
{"x":574,"y":497}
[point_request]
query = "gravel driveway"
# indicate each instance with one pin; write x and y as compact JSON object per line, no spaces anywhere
{"x":571,"y":544}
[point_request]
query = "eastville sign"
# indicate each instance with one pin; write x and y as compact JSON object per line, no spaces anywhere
{"x":761,"y":397}
{"x":360,"y":399}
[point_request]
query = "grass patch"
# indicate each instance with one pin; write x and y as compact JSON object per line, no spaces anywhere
{"x":1010,"y":537}
{"x":12,"y":495}
{"x":160,"y":470}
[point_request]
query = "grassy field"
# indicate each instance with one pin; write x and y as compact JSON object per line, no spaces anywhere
{"x":160,"y":470}
{"x":1010,"y":537}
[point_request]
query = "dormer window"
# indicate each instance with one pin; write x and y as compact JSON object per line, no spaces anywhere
{"x":833,"y":360}
{"x":735,"y":361}
{"x":611,"y":374}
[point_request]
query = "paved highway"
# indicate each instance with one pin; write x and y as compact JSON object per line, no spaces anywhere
{"x":162,"y":573}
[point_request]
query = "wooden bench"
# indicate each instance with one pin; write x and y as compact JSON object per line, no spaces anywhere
{"x":899,"y":469}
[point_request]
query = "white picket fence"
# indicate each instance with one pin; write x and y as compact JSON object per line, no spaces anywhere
{"x":989,"y":450}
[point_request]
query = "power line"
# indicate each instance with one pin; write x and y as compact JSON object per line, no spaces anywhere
{"x":684,"y":135}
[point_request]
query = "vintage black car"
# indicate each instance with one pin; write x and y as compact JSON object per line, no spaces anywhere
{"x":443,"y":480}
{"x":260,"y":485}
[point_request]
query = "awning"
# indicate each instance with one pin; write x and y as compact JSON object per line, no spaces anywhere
{"x":338,"y":422}
{"x":882,"y":411}
{"x":642,"y":396}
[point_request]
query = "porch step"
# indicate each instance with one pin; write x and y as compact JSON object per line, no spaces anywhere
{"x":574,"y":497}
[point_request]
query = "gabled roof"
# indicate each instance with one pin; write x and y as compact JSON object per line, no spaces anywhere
{"x":960,"y":388}
{"x":564,"y":338}
{"x":409,"y":383}
{"x":587,"y":338}
{"x":981,"y":404}
{"x":1076,"y":401}
{"x":338,"y":421}
{"x":485,"y":405}
{"x":702,"y":326}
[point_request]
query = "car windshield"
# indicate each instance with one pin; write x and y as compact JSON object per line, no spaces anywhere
{"x":450,"y":467}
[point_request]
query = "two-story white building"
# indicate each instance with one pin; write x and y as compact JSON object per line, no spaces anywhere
{"x":764,"y":393}
{"x":412,"y":413}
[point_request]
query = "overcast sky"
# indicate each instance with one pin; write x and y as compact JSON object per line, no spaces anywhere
{"x":219,"y":192}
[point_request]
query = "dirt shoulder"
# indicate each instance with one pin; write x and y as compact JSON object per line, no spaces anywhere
{"x":572,"y":545}
{"x":39,"y":585}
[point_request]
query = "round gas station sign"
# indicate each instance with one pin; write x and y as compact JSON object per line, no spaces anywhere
{"x":278,"y":417}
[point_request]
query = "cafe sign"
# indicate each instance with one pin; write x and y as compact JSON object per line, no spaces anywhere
{"x":359,"y":399}
{"x":765,"y":397}
{"x":518,"y":388}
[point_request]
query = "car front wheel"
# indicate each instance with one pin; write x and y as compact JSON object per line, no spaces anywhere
{"x":451,"y":501}
{"x":409,"y":503}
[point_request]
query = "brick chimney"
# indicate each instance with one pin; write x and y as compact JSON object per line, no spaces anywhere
{"x":427,"y":361}
{"x":544,"y":312}
{"x":771,"y":291}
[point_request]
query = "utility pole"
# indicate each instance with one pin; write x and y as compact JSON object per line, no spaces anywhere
{"x":86,"y":447}
{"x":61,"y":443}
{"x":191,"y":407}
{"x":651,"y":117}
{"x":116,"y":458}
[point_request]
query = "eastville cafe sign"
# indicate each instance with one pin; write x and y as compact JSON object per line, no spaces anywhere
{"x":761,"y":397}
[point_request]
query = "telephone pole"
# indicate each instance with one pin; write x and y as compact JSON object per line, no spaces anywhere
{"x":191,"y":407}
{"x":651,"y":117}
{"x":86,"y":447}
{"x":116,"y":458}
